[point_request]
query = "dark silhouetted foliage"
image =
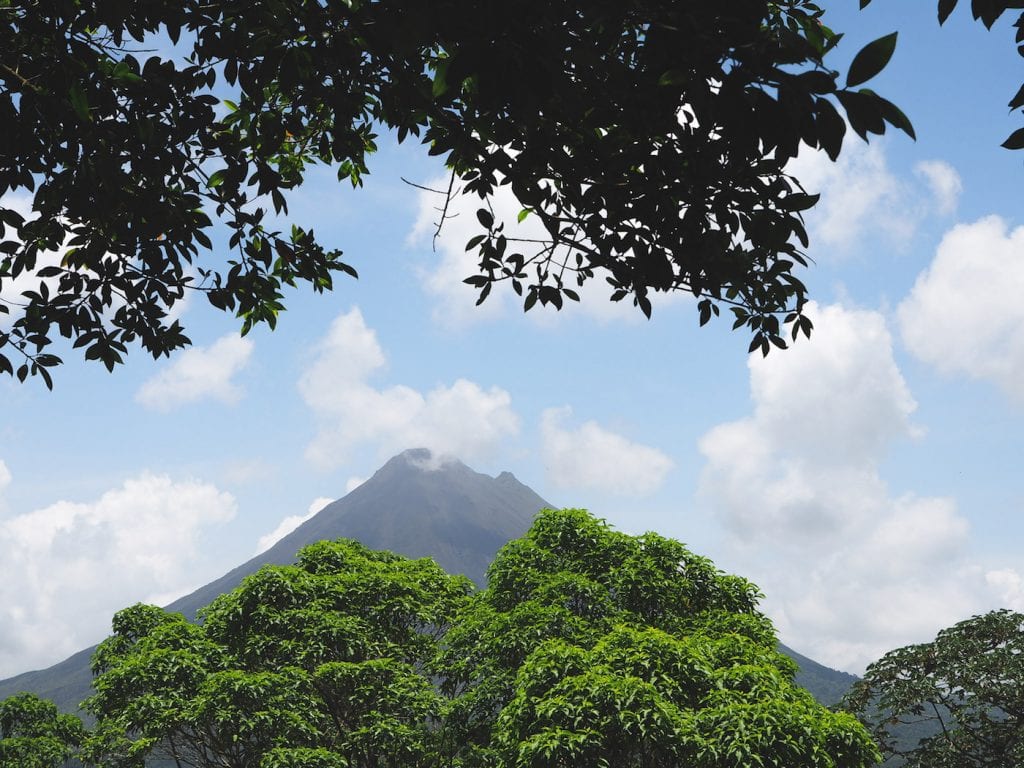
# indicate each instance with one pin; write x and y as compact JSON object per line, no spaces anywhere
{"x":650,"y":138}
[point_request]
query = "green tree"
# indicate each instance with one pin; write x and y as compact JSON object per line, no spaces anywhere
{"x":316,"y":664}
{"x":962,"y":690}
{"x":593,"y":647}
{"x":650,"y":138}
{"x":33,"y":734}
{"x":590,"y":647}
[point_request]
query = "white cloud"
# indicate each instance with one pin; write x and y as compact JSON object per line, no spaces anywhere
{"x":198,"y":373}
{"x":247,"y":471}
{"x":850,"y":569}
{"x":860,"y":195}
{"x":964,"y":314}
{"x":353,"y":482}
{"x":317,"y":504}
{"x":69,"y":566}
{"x":455,"y":301}
{"x":289,"y":524}
{"x":590,"y":456}
{"x":1009,"y":585}
{"x":944,"y":182}
{"x":5,"y":476}
{"x":462,"y":419}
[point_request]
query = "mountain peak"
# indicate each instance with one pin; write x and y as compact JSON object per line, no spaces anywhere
{"x":423,"y":502}
{"x":417,"y":454}
{"x":421,"y":460}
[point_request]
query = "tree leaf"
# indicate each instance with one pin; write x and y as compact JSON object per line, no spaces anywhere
{"x":945,"y":8}
{"x":864,"y":115}
{"x":831,"y":128}
{"x":79,"y":101}
{"x":871,"y":60}
{"x":1015,"y":141}
{"x":440,"y":84}
{"x":989,"y":11}
{"x":895,"y":117}
{"x":1018,"y":100}
{"x":799,"y":201}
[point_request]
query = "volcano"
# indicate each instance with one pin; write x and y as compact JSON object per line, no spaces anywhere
{"x":417,"y":505}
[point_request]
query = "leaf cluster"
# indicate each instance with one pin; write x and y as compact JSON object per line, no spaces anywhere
{"x":651,"y":139}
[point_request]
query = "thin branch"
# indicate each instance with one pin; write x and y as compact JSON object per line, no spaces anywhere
{"x":24,"y":82}
{"x":444,"y":211}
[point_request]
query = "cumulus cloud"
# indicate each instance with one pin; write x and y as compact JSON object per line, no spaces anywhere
{"x":850,"y":568}
{"x":461,"y":419}
{"x":198,"y":373}
{"x":289,"y":524}
{"x":455,"y":301}
{"x":70,"y":565}
{"x":591,"y":456}
{"x":861,"y":194}
{"x":964,"y":314}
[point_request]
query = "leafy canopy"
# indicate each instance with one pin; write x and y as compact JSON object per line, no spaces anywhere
{"x":316,"y":664}
{"x":963,"y":688}
{"x":650,"y":139}
{"x":590,"y":647}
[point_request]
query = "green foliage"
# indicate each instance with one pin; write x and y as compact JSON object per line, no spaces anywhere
{"x":589,"y":648}
{"x":649,"y":138}
{"x":965,"y":686}
{"x":593,"y":647}
{"x":33,"y":734}
{"x":317,"y":664}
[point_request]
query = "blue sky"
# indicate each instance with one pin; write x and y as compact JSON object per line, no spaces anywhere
{"x":868,"y":480}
